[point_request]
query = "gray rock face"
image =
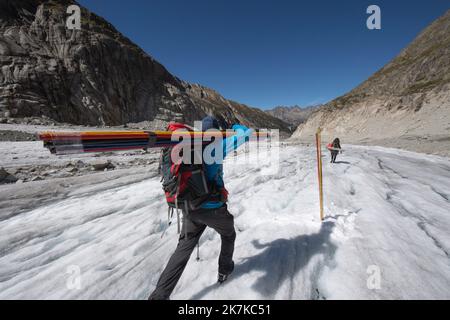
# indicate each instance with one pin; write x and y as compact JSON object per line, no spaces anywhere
{"x":293,"y":115}
{"x":230,"y":111}
{"x":94,"y":76}
{"x":406,"y":104}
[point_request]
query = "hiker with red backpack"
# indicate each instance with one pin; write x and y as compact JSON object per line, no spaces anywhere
{"x":334,"y":148}
{"x":198,"y":190}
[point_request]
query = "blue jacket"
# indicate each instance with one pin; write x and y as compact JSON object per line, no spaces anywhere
{"x":214,"y":172}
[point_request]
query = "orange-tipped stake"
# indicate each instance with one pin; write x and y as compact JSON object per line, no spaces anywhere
{"x":319,"y":170}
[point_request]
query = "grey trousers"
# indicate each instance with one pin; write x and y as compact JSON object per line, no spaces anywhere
{"x":195,"y":222}
{"x":334,"y":155}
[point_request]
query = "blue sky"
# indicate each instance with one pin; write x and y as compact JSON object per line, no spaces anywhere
{"x":265,"y":52}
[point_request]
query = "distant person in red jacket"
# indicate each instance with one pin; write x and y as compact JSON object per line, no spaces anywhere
{"x":335,"y":148}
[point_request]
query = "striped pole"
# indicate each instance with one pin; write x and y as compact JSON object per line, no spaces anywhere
{"x":107,"y":141}
{"x":319,"y":170}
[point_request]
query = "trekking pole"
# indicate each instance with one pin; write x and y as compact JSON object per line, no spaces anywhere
{"x":169,"y":221}
{"x":319,"y":170}
{"x":198,"y":251}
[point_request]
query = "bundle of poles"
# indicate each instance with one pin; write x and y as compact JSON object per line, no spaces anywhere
{"x":107,"y":141}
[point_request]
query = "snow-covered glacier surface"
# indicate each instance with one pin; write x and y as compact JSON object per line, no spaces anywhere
{"x":386,"y":234}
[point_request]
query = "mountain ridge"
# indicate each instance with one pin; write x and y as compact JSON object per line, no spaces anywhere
{"x":405,"y":104}
{"x":294,"y":115}
{"x":96,"y":76}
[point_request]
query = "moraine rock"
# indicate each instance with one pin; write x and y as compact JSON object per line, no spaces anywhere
{"x":6,"y":177}
{"x":101,"y":165}
{"x":71,"y":169}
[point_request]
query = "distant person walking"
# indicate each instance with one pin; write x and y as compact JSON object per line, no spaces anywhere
{"x":335,"y":148}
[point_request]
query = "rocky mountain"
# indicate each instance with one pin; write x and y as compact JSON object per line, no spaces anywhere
{"x":211,"y":102}
{"x":95,"y":76}
{"x":405,"y":104}
{"x":294,"y":115}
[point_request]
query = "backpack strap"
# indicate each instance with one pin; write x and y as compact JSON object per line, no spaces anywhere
{"x":178,"y":222}
{"x":185,"y":213}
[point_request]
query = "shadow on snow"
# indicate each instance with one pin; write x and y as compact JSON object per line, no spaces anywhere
{"x":281,"y":260}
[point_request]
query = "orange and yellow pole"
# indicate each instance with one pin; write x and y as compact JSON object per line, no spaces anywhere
{"x":319,"y":170}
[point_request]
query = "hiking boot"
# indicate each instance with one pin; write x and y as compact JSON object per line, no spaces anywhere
{"x":222,"y":277}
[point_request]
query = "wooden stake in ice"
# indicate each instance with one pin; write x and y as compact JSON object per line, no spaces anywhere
{"x":319,"y":170}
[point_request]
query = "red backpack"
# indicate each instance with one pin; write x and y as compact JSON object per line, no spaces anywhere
{"x":184,"y":184}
